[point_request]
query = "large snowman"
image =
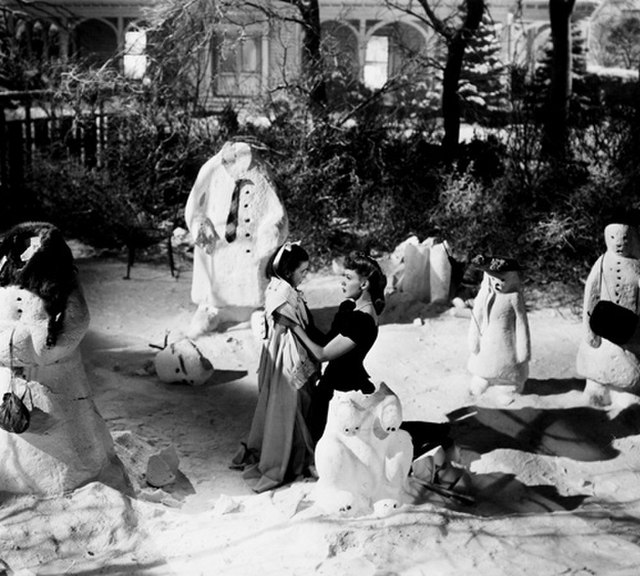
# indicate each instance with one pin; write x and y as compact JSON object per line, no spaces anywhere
{"x":499,"y":338}
{"x":43,"y":318}
{"x":237,"y":220}
{"x":613,"y":278}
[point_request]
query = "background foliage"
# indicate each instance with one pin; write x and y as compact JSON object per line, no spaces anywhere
{"x":365,"y":174}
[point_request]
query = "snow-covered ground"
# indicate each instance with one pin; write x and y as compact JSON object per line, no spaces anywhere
{"x":556,"y":481}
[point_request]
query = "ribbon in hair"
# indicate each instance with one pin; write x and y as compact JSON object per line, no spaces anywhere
{"x":286,"y":247}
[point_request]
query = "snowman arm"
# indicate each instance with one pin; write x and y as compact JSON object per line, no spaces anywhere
{"x":477,"y":319}
{"x":195,"y":209}
{"x":523,"y":337}
{"x":273,"y":228}
{"x":74,"y":327}
{"x":592,"y":295}
{"x":16,"y":338}
{"x":474,"y":334}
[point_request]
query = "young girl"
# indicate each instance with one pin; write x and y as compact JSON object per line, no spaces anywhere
{"x":280,"y":447}
{"x":353,"y":332}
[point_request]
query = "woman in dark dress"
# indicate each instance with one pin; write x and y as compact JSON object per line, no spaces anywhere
{"x":353,"y":332}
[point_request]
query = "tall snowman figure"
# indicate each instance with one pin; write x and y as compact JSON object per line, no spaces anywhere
{"x":608,"y":366}
{"x":43,"y":318}
{"x":237,"y":220}
{"x":499,"y":338}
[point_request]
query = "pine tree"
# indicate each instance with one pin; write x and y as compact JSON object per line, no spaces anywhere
{"x":483,"y":82}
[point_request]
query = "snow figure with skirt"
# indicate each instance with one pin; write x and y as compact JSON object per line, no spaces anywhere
{"x":280,"y":447}
{"x":499,"y":338}
{"x":237,"y":220}
{"x":43,"y":318}
{"x":363,"y":459}
{"x":606,"y":365}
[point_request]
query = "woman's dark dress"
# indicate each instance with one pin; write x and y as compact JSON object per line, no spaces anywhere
{"x":346,"y":372}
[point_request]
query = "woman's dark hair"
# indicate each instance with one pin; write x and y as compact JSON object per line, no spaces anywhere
{"x":286,"y":260}
{"x":366,"y":267}
{"x":49,"y":271}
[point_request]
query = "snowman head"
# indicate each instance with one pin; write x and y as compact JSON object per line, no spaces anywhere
{"x":183,"y":362}
{"x":622,"y":239}
{"x":501,"y":274}
{"x":505,"y":282}
{"x":345,"y":415}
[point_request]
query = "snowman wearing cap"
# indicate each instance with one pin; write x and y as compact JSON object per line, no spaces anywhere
{"x":499,"y":338}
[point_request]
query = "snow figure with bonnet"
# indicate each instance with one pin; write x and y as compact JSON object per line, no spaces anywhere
{"x":43,"y":318}
{"x":608,"y":356}
{"x":237,"y":220}
{"x":499,"y":338}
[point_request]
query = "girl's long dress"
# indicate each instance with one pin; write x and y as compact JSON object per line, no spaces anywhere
{"x":279,"y":447}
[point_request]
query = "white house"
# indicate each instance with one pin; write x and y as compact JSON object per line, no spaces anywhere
{"x":371,"y":38}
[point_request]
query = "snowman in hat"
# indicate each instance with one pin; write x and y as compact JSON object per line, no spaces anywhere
{"x":499,"y":337}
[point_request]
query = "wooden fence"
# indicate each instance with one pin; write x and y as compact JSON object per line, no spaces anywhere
{"x":29,"y":124}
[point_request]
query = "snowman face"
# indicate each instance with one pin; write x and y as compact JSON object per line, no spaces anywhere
{"x":182,"y":362}
{"x":622,"y":240}
{"x":346,"y":415}
{"x":504,"y":282}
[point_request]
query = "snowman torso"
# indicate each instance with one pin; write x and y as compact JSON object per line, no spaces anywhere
{"x":233,"y":273}
{"x":612,"y":278}
{"x":67,"y":443}
{"x":499,"y":335}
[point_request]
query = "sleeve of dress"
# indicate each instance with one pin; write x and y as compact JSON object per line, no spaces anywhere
{"x":317,"y":335}
{"x":354,"y":326}
{"x":286,"y":311}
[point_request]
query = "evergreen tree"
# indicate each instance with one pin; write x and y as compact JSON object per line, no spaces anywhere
{"x":483,"y":82}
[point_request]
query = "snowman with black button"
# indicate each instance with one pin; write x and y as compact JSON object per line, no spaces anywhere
{"x":237,"y":220}
{"x":43,"y":318}
{"x":612,"y":371}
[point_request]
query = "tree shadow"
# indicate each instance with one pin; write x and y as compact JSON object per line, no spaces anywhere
{"x":426,"y":436}
{"x":225,"y":376}
{"x":552,"y":386}
{"x":402,"y":309}
{"x":495,"y":494}
{"x":581,"y":433}
{"x":499,"y":494}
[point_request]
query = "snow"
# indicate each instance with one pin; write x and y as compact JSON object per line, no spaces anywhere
{"x":622,"y":73}
{"x":556,"y":480}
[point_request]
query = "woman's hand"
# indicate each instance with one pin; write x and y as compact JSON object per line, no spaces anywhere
{"x":283,"y":320}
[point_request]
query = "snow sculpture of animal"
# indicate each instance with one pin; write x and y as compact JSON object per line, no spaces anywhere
{"x":237,"y":220}
{"x":183,"y":362}
{"x":614,"y":277}
{"x":363,"y":457}
{"x":43,"y":318}
{"x":499,"y":338}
